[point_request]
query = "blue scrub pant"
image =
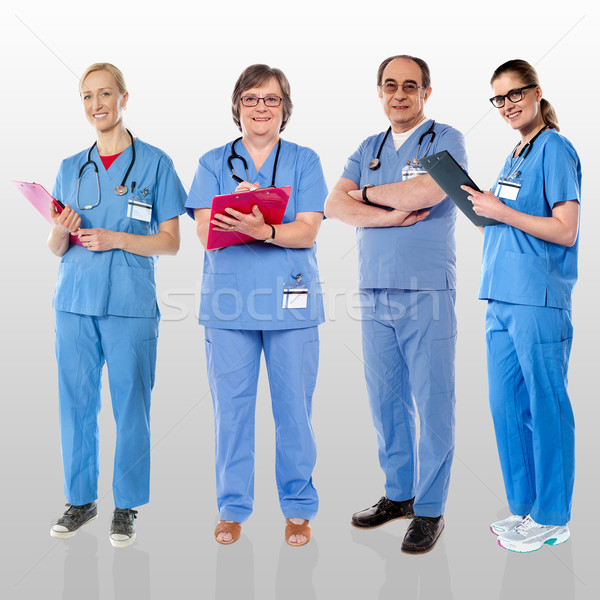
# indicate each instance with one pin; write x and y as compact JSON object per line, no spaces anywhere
{"x":128,"y":345}
{"x":528,"y":351}
{"x":233,"y":361}
{"x":409,"y":341}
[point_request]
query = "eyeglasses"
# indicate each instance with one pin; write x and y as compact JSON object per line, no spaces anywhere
{"x":513,"y":96}
{"x":390,"y":87}
{"x":270,"y":101}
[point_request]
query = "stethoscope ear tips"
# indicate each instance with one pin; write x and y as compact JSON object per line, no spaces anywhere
{"x":374,"y":164}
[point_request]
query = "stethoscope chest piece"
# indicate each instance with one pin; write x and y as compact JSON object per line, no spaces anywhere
{"x":376,"y":162}
{"x":120,"y":190}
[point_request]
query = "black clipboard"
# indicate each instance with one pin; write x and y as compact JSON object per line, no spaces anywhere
{"x":449,"y":175}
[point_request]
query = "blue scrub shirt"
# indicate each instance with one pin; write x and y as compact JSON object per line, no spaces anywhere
{"x":242,"y":286}
{"x":517,"y":267}
{"x":116,"y":282}
{"x":420,"y":257}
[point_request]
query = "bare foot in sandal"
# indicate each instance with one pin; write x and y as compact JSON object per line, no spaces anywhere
{"x":227,"y":532}
{"x":297,"y":532}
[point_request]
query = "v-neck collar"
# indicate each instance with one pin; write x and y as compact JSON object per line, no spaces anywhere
{"x":117,"y":168}
{"x":392,"y":153}
{"x":266,"y":167}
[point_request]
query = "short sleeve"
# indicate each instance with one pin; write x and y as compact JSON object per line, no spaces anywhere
{"x":352,"y":168}
{"x":562,"y":173}
{"x":312,"y":189}
{"x":205,"y":186}
{"x":57,"y":191}
{"x":453,"y":141}
{"x":170,"y":197}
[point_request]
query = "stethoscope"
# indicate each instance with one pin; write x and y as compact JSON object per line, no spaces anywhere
{"x":235,"y":155}
{"x":513,"y":172}
{"x":120,"y":190}
{"x":376,"y":163}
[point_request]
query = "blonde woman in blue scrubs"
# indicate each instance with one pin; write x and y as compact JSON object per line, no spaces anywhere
{"x":123,"y":199}
{"x":242,"y":304}
{"x":528,"y":273}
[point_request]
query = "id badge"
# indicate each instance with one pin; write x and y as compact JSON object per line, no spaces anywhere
{"x":139,"y":207}
{"x":411,"y":171}
{"x":295,"y":295}
{"x":507,"y":190}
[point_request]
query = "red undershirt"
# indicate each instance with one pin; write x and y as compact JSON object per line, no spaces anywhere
{"x":109,"y":160}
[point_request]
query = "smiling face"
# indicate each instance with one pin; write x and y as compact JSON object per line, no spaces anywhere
{"x":525,"y":116}
{"x":103,"y":103}
{"x":403,"y":110}
{"x":262,"y":121}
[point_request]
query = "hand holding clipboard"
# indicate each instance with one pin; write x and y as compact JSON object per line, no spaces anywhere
{"x":270,"y":203}
{"x":450,"y":176}
{"x":43,"y":202}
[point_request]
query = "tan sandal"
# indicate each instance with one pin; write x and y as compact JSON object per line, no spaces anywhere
{"x":231,"y":527}
{"x":293,"y":529}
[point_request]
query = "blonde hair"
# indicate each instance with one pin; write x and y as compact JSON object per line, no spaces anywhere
{"x":104,"y":66}
{"x":528,"y":75}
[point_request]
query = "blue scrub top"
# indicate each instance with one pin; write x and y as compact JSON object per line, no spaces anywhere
{"x":115,"y":282}
{"x":420,"y":257}
{"x":242,"y":286}
{"x":517,"y":267}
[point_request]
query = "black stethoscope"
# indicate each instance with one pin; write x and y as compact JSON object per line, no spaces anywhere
{"x":235,"y":155}
{"x":376,"y":163}
{"x":120,"y":190}
{"x":513,"y":172}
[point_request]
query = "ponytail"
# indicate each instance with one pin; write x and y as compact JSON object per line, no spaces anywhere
{"x":549,"y":114}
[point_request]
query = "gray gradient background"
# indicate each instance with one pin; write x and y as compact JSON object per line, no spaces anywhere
{"x":180,"y":65}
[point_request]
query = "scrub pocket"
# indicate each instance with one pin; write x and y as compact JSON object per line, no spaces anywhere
{"x":132,"y":292}
{"x":527,"y":274}
{"x":442,"y":358}
{"x":220,"y":298}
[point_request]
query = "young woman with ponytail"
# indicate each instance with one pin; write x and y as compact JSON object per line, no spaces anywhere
{"x":528,"y":272}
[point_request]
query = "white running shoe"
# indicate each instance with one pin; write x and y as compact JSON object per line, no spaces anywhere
{"x":506,"y":525}
{"x":529,"y":536}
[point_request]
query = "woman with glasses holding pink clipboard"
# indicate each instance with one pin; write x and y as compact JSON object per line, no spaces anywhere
{"x":262,"y":296}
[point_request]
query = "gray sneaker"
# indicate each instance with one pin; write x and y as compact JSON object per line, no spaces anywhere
{"x":506,"y":525}
{"x":530,"y":536}
{"x":122,"y":531}
{"x":74,"y":517}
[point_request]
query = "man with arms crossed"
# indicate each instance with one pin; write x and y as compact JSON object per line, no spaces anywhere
{"x":407,"y":280}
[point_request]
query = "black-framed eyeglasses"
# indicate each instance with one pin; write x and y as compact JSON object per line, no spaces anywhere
{"x":270,"y":101}
{"x":513,"y":96}
{"x":390,"y":87}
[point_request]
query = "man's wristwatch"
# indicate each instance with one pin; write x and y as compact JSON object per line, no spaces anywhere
{"x":364,"y":193}
{"x":271,"y":238}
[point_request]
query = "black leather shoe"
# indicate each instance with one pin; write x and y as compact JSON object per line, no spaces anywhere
{"x":384,"y":511}
{"x":422,"y":534}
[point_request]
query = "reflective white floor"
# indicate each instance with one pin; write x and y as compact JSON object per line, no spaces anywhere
{"x":175,"y":555}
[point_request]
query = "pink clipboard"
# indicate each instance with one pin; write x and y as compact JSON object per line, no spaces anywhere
{"x":40,"y":199}
{"x":272,"y":203}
